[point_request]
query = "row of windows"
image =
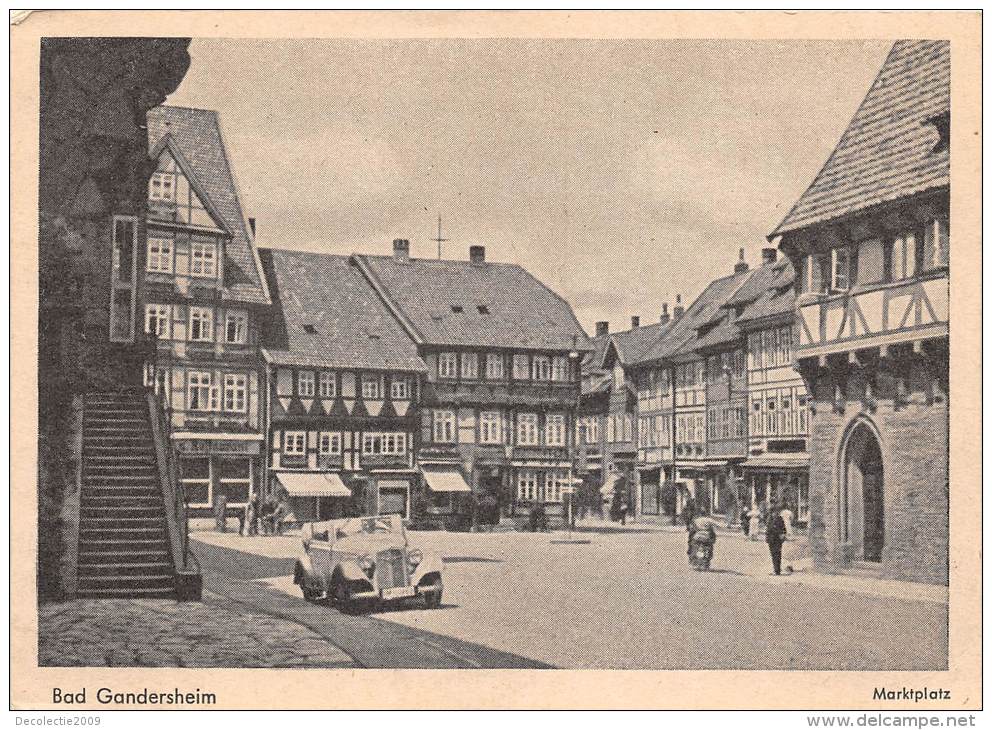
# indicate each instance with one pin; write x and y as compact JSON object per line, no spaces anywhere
{"x":726,"y":422}
{"x":534,"y":485}
{"x":690,"y":375}
{"x":324,"y":384}
{"x":720,"y":365}
{"x":690,"y":428}
{"x":205,"y":390}
{"x":471,"y":366}
{"x":877,"y":260}
{"x":165,"y":320}
{"x":654,"y":431}
{"x":494,"y":427}
{"x":769,"y":348}
{"x":329,"y":443}
{"x":202,"y":260}
{"x":619,"y":428}
{"x":783,"y":412}
{"x":587,"y":430}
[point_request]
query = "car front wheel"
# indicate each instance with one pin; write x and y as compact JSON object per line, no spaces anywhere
{"x":311,"y":594}
{"x":432,"y":599}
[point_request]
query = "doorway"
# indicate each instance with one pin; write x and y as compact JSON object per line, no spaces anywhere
{"x":862,"y":498}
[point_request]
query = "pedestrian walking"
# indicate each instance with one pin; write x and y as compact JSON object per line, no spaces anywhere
{"x":787,"y":551}
{"x":689,"y":513}
{"x":775,"y":533}
{"x":746,"y":521}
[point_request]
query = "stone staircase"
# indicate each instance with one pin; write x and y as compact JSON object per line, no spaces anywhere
{"x":123,"y":543}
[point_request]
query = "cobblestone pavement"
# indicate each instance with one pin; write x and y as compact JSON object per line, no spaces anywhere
{"x":164,"y":633}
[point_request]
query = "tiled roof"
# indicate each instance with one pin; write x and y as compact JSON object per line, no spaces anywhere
{"x":475,"y":305}
{"x":197,"y":134}
{"x":681,"y":336}
{"x":349,"y":326}
{"x":777,"y":299}
{"x":890,"y":149}
{"x":631,"y":344}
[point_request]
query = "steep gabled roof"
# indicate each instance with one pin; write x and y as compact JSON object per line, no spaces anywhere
{"x":681,"y":337}
{"x":459,"y":303}
{"x":777,"y":299}
{"x":892,"y":147}
{"x":629,"y":345}
{"x":196,"y":134}
{"x":327,"y":315}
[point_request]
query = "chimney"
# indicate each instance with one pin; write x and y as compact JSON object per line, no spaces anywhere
{"x":768,"y":255}
{"x":741,"y":265}
{"x":679,"y":310}
{"x":602,"y":328}
{"x":477,"y":255}
{"x":635,"y":322}
{"x":251,"y":224}
{"x":401,"y":249}
{"x":665,"y":316}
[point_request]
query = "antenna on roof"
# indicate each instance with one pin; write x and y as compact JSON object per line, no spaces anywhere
{"x":439,"y":239}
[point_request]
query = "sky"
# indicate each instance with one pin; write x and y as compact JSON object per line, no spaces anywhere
{"x":620,"y":173}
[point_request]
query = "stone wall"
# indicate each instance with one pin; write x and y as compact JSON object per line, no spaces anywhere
{"x":911,"y":421}
{"x":95,"y":93}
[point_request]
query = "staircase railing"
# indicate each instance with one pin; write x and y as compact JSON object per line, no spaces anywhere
{"x":187,"y":567}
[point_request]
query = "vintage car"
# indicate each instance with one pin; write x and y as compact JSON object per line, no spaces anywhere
{"x":360,"y":561}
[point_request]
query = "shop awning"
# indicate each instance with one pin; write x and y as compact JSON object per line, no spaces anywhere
{"x":781,"y":461}
{"x":444,"y":479}
{"x":313,"y":484}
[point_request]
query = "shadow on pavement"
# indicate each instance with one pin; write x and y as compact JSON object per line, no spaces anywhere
{"x":469,"y":559}
{"x":370,"y":641}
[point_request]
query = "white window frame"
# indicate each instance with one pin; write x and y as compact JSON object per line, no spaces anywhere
{"x":390,"y":443}
{"x":527,"y":485}
{"x":305,"y":384}
{"x":554,"y":429}
{"x":205,"y":317}
{"x":239,"y":318}
{"x":329,"y":443}
{"x":161,"y":255}
{"x":202,"y":383}
{"x":494,"y":366}
{"x":527,"y":430}
{"x":541,"y":367}
{"x":490,"y":427}
{"x":399,"y":387}
{"x":294,"y":443}
{"x":372,"y":386}
{"x":235,"y":392}
{"x":840,"y":280}
{"x":161,"y":316}
{"x":554,"y":480}
{"x":560,"y":369}
{"x":159,"y":193}
{"x":328,"y":385}
{"x":521,"y":366}
{"x":470,"y":365}
{"x":445,"y":427}
{"x":903,"y":256}
{"x":447,"y":365}
{"x":203,"y":259}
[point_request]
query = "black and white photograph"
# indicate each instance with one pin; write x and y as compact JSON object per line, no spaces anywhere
{"x":535,"y":353}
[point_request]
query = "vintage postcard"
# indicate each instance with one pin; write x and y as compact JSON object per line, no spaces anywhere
{"x":362,"y":356}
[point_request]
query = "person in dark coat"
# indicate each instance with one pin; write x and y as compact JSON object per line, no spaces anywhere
{"x":689,"y":513}
{"x":775,"y":531}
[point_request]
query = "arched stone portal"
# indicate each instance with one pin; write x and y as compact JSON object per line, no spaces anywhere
{"x":861,"y":507}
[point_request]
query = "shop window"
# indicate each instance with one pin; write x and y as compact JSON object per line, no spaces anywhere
{"x":234,"y":479}
{"x":195,"y":475}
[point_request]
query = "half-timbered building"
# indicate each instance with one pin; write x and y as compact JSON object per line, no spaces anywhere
{"x":503,"y":355}
{"x":200,"y":294}
{"x":343,"y":380}
{"x":869,"y":240}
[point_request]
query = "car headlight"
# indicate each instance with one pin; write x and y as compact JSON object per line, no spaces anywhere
{"x":415,"y":556}
{"x":367,"y":564}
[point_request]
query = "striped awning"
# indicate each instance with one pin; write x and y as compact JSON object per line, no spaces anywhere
{"x":313,"y":484}
{"x":445,"y":479}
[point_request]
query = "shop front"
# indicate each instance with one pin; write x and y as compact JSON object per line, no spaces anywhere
{"x":313,"y":496}
{"x":771,"y":479}
{"x":447,"y":497}
{"x":218,"y":467}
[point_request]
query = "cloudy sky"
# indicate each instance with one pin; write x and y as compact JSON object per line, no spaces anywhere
{"x":619,"y":172}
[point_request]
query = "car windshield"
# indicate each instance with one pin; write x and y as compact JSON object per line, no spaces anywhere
{"x":366,"y":526}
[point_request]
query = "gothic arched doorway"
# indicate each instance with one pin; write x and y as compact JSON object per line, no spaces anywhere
{"x":862,"y":495}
